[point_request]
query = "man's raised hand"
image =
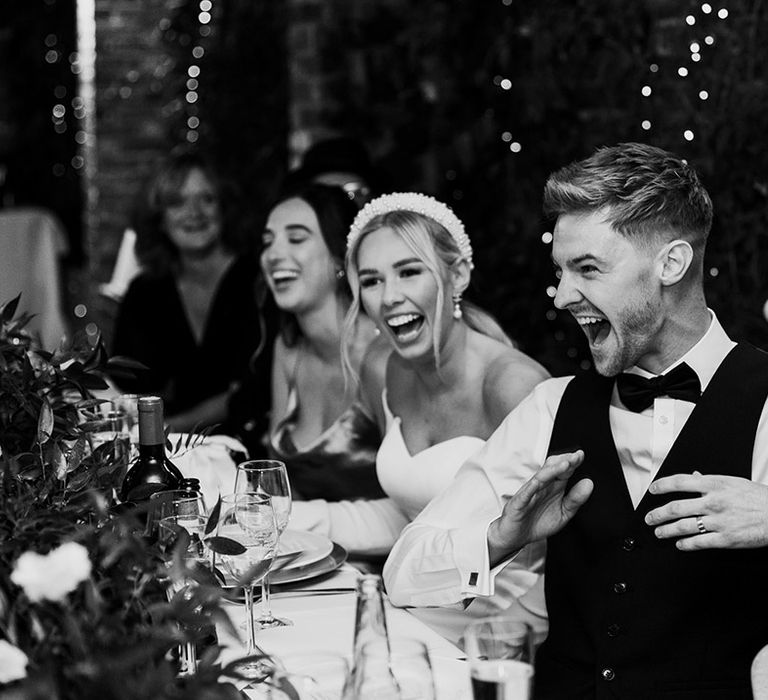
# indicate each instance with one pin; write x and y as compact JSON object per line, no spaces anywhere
{"x":540,"y":508}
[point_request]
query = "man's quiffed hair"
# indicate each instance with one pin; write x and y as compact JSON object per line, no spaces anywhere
{"x":644,"y":190}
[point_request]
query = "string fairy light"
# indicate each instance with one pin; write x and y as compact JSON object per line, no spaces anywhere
{"x":695,"y":47}
{"x":188,"y":103}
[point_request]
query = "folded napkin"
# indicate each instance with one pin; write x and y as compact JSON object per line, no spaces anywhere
{"x":208,"y":459}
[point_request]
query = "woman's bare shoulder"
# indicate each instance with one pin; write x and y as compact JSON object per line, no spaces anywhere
{"x":373,"y":378}
{"x":510,"y":376}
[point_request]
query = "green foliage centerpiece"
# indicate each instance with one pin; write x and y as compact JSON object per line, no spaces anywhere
{"x":83,"y":607}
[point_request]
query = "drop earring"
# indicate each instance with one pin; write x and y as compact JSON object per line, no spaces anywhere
{"x":457,"y":312}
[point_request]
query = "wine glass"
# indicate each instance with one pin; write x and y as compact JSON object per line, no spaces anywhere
{"x":169,"y":527}
{"x":249,"y":520}
{"x":500,"y":653}
{"x":267,"y":476}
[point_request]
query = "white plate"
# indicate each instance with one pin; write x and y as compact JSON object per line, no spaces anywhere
{"x":279,"y":578}
{"x":310,"y":547}
{"x":324,"y":566}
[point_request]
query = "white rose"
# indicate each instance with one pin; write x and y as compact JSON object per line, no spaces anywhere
{"x":13,"y":663}
{"x":54,"y":575}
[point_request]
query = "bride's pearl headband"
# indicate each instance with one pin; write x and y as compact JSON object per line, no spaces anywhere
{"x":420,"y":204}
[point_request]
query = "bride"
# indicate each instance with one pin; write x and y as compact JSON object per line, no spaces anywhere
{"x":438,"y":380}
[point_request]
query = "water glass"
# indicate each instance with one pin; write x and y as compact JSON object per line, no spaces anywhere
{"x":313,"y":675}
{"x":194,"y":555}
{"x":128,"y":405}
{"x":395,"y":669}
{"x":500,"y":654}
{"x":183,"y":504}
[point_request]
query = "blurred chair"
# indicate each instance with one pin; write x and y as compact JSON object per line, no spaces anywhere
{"x":31,"y":243}
{"x":760,"y":675}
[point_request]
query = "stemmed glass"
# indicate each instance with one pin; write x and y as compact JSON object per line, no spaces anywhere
{"x":267,"y":476}
{"x":249,"y":520}
{"x":172,"y":516}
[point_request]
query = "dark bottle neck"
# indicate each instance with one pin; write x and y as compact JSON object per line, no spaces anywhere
{"x":152,"y":451}
{"x":151,"y":421}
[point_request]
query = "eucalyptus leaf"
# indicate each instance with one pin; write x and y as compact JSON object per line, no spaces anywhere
{"x":9,"y":309}
{"x":213,"y":517}
{"x":59,"y":461}
{"x":225,"y":545}
{"x":45,"y":422}
{"x":77,"y":453}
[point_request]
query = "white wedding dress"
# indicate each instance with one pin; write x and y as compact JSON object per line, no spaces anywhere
{"x":411,"y":481}
{"x":368,"y":527}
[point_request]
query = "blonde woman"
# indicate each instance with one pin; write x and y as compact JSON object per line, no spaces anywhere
{"x":440,"y":377}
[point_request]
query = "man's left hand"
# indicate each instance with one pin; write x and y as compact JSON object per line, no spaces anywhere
{"x":730,"y":513}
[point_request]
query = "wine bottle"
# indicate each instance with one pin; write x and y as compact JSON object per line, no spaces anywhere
{"x":152,"y":471}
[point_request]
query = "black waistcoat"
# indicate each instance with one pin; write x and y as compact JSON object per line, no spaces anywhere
{"x":630,"y":615}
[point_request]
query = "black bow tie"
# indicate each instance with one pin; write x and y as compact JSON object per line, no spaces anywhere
{"x":637,"y":393}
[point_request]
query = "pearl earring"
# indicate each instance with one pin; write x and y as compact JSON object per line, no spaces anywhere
{"x":457,"y":312}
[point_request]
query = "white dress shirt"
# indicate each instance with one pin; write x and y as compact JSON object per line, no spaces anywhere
{"x":442,"y":556}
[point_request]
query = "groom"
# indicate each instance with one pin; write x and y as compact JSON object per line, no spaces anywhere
{"x":632,"y":613}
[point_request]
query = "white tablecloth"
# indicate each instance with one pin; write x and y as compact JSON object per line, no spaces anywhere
{"x":326,"y":623}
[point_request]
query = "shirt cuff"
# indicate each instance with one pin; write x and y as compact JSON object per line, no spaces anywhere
{"x":470,"y":546}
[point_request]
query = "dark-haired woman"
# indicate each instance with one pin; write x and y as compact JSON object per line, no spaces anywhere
{"x":191,"y":317}
{"x":317,"y":427}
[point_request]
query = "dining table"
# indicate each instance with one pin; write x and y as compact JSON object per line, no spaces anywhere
{"x":319,"y":597}
{"x":322,"y":611}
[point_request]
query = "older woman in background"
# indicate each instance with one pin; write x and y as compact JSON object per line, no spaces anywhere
{"x":191,"y":317}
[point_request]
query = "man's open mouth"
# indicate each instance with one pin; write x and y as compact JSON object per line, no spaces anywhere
{"x":595,"y":328}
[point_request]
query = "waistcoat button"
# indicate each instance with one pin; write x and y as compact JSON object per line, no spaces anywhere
{"x":628,"y":544}
{"x":613,"y":630}
{"x":620,"y":587}
{"x":608,"y":674}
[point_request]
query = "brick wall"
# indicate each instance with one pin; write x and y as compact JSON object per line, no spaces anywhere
{"x":131,"y":63}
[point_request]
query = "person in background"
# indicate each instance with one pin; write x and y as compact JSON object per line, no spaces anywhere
{"x":439,"y":380}
{"x":191,"y":317}
{"x":341,"y":161}
{"x":594,"y":463}
{"x":317,"y":427}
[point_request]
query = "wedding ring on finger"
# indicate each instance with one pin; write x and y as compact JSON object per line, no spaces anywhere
{"x":700,"y":524}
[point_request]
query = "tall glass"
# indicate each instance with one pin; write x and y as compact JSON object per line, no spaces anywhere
{"x":249,"y":520}
{"x":195,"y":554}
{"x":267,"y":476}
{"x":175,"y":502}
{"x":500,"y":654}
{"x":395,"y":669}
{"x":312,"y":675}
